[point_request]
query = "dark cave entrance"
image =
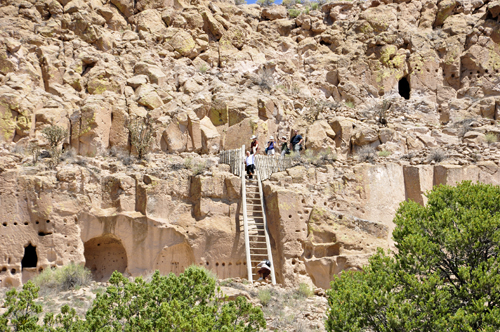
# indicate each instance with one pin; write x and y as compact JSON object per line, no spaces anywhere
{"x":404,"y":88}
{"x":30,"y":258}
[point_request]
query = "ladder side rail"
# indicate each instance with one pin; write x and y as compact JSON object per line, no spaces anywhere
{"x":266,"y":230}
{"x":245,"y":221}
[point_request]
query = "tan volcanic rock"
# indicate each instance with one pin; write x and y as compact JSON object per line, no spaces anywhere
{"x":404,"y":77}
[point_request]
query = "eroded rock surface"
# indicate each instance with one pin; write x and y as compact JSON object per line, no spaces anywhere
{"x":416,"y":81}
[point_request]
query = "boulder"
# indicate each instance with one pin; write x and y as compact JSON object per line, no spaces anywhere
{"x":75,"y":6}
{"x":320,"y":136}
{"x":7,"y":64}
{"x":176,"y":136}
{"x":147,"y":96}
{"x":150,"y":21}
{"x":153,"y":4}
{"x":52,"y":70}
{"x":105,"y":78}
{"x":211,"y":138}
{"x":381,"y":18}
{"x":137,"y":81}
{"x":364,"y":135}
{"x":274,"y":12}
{"x":344,"y":129}
{"x":183,"y":43}
{"x":266,"y":108}
{"x":474,"y":137}
{"x":91,"y":126}
{"x":212,"y":26}
{"x":428,"y":140}
{"x":494,"y":8}
{"x":154,"y":73}
{"x":9,"y":103}
{"x":126,"y":7}
{"x":485,"y":107}
{"x":444,"y":10}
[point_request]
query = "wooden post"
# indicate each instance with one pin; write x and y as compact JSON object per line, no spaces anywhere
{"x":245,"y":221}
{"x":266,"y":230}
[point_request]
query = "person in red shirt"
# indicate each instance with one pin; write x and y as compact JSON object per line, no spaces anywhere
{"x":254,"y":146}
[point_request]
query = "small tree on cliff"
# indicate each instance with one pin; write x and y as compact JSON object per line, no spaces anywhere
{"x":444,"y":276}
{"x":55,"y":135}
{"x":141,"y":134}
{"x":265,"y":3}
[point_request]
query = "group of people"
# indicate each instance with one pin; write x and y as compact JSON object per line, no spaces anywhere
{"x":296,"y":143}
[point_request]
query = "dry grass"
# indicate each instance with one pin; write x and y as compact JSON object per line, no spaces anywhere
{"x":264,"y":296}
{"x":437,"y":155}
{"x":71,"y":276}
{"x":305,"y":290}
{"x":384,"y":153}
{"x":366,"y":154}
{"x":491,"y":138}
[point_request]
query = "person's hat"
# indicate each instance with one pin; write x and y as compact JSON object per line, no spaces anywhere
{"x":271,"y":137}
{"x":253,"y":137}
{"x":283,"y":137}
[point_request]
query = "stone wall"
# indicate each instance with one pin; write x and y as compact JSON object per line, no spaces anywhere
{"x":322,"y":220}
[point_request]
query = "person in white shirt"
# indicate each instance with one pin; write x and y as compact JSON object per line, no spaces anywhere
{"x":264,"y":269}
{"x":250,"y":164}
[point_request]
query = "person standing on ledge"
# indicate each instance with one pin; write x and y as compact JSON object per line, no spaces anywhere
{"x":254,"y":146}
{"x":270,"y":146}
{"x":284,"y":147}
{"x":250,"y":165}
{"x":296,"y":142}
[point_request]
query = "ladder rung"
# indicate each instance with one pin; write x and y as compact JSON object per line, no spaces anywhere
{"x":256,"y":242}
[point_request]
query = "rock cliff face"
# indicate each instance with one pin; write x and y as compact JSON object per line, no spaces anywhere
{"x":415,"y":80}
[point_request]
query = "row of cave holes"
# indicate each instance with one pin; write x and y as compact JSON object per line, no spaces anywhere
{"x":224,"y":264}
{"x":477,"y":73}
{"x":41,"y":233}
{"x":5,"y":224}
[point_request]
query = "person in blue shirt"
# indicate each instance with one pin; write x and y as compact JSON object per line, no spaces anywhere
{"x":296,"y":142}
{"x":270,"y":146}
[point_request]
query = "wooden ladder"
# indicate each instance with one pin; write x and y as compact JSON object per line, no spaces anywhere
{"x":257,"y":243}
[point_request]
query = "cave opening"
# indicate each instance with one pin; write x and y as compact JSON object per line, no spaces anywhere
{"x":104,"y":255}
{"x":30,"y":258}
{"x":404,"y":88}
